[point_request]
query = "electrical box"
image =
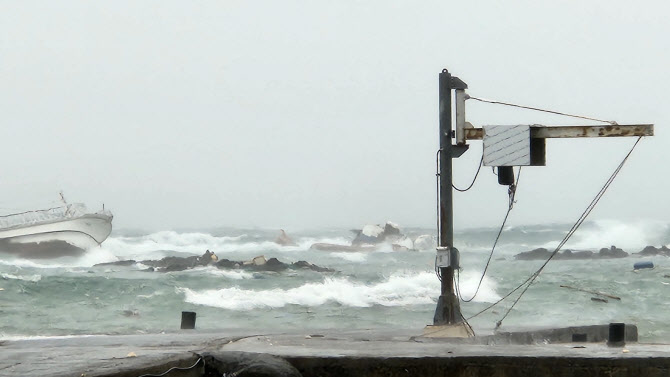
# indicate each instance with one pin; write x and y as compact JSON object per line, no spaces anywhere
{"x":447,"y":257}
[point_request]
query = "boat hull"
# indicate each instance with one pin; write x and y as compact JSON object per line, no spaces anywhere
{"x":64,"y":237}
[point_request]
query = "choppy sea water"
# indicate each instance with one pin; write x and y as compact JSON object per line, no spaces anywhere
{"x":381,"y":289}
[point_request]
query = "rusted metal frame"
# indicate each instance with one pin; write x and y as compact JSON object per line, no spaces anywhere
{"x":550,"y":132}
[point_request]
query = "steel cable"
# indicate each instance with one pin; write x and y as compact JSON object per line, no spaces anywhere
{"x":529,"y":281}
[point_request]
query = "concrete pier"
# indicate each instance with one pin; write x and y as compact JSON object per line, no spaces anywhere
{"x":334,"y":353}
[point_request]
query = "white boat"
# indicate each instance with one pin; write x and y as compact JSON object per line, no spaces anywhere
{"x":66,"y":230}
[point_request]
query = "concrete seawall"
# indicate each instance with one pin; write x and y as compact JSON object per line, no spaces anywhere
{"x":327,"y":353}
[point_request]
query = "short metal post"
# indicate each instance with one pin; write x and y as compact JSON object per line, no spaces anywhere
{"x":188,"y":320}
{"x":617,"y":335}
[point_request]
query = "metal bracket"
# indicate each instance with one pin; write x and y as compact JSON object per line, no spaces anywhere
{"x":457,"y":83}
{"x":458,"y":150}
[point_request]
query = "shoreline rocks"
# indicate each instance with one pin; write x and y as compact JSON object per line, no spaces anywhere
{"x":568,"y":254}
{"x":259,"y":264}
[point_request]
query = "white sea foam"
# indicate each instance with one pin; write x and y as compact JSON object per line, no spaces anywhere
{"x":153,"y":246}
{"x":631,"y":236}
{"x":39,"y":337}
{"x":229,"y":274}
{"x":468,"y":282}
{"x":32,"y":278}
{"x":351,"y":257}
{"x":398,"y":290}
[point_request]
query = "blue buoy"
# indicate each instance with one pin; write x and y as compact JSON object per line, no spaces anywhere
{"x":641,"y":265}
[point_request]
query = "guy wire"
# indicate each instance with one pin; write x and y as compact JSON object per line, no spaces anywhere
{"x":572,"y":230}
{"x":511,"y":193}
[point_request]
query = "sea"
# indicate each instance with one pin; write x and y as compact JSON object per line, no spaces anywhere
{"x":382,"y":289}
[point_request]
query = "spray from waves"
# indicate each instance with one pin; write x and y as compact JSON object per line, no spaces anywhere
{"x":228,"y":274}
{"x":631,"y":236}
{"x":89,"y":258}
{"x":31,"y":278}
{"x":468,"y":282}
{"x":351,"y":257}
{"x":155,"y":245}
{"x":398,"y":290}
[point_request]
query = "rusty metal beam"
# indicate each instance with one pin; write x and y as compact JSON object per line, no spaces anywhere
{"x":549,"y":132}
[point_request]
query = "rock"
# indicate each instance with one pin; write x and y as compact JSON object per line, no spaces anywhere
{"x":375,"y":234}
{"x":651,"y":250}
{"x":258,"y":263}
{"x":225,"y":263}
{"x":612,"y":252}
{"x":391,"y":229}
{"x":569,"y":254}
{"x":313,"y":267}
{"x":207,"y":258}
{"x":259,"y":260}
{"x":540,"y":253}
{"x":370,"y":234}
{"x":169,"y":264}
{"x":284,"y":240}
{"x":273,"y":264}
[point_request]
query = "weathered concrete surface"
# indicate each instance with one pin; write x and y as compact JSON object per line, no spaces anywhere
{"x":103,"y":355}
{"x":326,"y":353}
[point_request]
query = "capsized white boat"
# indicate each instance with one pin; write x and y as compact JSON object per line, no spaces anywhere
{"x":66,"y":230}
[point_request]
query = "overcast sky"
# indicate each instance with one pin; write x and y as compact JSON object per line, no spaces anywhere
{"x":304,"y":114}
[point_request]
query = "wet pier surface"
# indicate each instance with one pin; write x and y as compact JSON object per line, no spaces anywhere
{"x":323,"y":353}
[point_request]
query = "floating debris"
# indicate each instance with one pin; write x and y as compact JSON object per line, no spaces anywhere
{"x":592,"y":292}
{"x":643,"y":265}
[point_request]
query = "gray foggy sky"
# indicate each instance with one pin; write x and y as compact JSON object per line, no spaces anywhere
{"x":302,"y":114}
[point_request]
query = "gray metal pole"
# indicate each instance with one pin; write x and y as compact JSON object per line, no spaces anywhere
{"x":448,"y":309}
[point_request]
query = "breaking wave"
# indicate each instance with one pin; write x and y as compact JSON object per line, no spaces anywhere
{"x":398,"y":290}
{"x":31,"y":278}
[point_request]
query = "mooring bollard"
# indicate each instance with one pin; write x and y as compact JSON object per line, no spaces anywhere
{"x":617,"y":335}
{"x":187,"y":320}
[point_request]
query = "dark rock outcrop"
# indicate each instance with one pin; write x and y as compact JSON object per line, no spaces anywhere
{"x":542,"y":253}
{"x":374,"y":234}
{"x":258,"y":263}
{"x":652,"y":251}
{"x":612,"y":252}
